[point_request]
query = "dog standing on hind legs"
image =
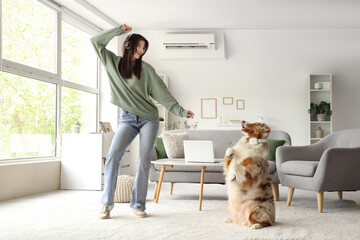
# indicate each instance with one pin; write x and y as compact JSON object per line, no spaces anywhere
{"x":246,"y":169}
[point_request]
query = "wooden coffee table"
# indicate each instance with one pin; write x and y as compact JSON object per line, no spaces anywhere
{"x":171,"y":163}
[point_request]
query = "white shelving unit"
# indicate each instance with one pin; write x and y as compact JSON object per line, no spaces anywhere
{"x":229,"y":126}
{"x":316,"y":96}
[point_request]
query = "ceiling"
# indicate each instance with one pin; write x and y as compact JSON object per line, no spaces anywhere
{"x":218,"y":14}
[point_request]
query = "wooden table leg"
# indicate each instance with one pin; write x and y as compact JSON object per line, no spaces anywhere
{"x":156,"y":185}
{"x":171,"y":188}
{"x":201,"y":186}
{"x":160,"y":181}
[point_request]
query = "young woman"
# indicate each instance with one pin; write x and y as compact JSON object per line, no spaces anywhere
{"x":132,"y":83}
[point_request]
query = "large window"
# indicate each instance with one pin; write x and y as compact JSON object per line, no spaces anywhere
{"x":29,"y":33}
{"x":79,"y":61}
{"x":27,"y":119}
{"x":39,"y":99}
{"x":78,"y":106}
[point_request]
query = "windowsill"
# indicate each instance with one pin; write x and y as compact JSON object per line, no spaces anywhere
{"x":28,"y":161}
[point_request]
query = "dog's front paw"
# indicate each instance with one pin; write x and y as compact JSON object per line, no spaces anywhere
{"x":256,"y":226}
{"x":228,"y":220}
{"x":229,"y":152}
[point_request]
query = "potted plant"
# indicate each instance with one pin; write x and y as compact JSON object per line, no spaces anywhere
{"x":313,"y":110}
{"x":324,"y":110}
{"x":177,"y":125}
{"x":320,"y":111}
{"x":76,"y":127}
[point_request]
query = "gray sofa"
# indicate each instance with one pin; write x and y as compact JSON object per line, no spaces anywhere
{"x":222,"y":139}
{"x":331,"y":164}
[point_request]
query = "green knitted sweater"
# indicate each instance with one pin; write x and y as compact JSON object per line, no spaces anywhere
{"x":133,"y":94}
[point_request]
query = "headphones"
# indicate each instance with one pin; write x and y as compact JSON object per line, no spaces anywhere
{"x":127,"y":43}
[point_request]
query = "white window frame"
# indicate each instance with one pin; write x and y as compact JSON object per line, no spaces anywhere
{"x":62,"y":14}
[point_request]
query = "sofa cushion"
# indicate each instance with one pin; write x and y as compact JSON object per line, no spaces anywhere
{"x":174,"y":145}
{"x":300,"y":168}
{"x":160,"y":149}
{"x":273,"y":144}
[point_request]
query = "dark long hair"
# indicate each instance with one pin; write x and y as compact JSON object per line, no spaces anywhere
{"x":129,"y":47}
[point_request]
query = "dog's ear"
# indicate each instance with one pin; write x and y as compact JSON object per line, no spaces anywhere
{"x":264,"y":130}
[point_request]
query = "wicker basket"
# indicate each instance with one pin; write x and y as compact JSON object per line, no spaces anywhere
{"x":124,"y":187}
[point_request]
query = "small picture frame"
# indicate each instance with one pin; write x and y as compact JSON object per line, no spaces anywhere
{"x":208,"y":108}
{"x":228,"y":101}
{"x":106,"y":127}
{"x":240,"y":104}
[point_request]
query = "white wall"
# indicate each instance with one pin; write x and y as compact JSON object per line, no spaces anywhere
{"x":269,"y":69}
{"x":23,"y":179}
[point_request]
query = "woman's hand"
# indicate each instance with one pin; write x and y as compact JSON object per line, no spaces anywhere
{"x":190,"y":114}
{"x":126,"y":28}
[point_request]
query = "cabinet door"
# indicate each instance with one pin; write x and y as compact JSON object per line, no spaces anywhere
{"x":81,"y":161}
{"x":125,"y":162}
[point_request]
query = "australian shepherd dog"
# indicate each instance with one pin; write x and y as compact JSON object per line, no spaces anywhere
{"x":251,"y":201}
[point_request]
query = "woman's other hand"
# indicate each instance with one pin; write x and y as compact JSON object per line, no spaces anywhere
{"x":126,"y":28}
{"x":190,"y":114}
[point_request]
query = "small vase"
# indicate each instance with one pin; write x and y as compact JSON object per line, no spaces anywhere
{"x":318,"y":86}
{"x":75,"y":128}
{"x":321,"y":117}
{"x":319,"y":133}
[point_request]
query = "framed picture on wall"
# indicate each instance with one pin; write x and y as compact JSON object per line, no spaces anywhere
{"x":106,"y":127}
{"x":228,"y":101}
{"x":240,"y":104}
{"x":208,"y":108}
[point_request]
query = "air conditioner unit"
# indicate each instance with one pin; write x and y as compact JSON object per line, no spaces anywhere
{"x":189,"y":40}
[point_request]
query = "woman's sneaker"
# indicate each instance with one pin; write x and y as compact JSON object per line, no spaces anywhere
{"x":140,"y":213}
{"x":105,"y":211}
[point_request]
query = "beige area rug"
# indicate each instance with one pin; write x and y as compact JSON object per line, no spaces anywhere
{"x":73,"y":215}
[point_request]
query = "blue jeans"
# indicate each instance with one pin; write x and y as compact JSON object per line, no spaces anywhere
{"x":129,"y":126}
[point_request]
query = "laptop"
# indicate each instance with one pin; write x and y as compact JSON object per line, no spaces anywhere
{"x":199,"y":151}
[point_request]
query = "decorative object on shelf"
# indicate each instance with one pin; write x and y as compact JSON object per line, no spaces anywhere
{"x":318,"y":86}
{"x":321,"y":111}
{"x":325,"y":108}
{"x":208,"y":108}
{"x":235,"y":121}
{"x":325,"y":85}
{"x":313,"y":110}
{"x":240,"y":104}
{"x":177,"y":125}
{"x":76,"y":127}
{"x":319,"y":133}
{"x":105,"y":127}
{"x":228,"y":101}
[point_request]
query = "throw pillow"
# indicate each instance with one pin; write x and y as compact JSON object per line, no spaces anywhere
{"x":160,"y":149}
{"x":273,"y":144}
{"x":173,"y":143}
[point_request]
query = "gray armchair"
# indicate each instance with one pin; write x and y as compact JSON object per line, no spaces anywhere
{"x":331,"y":164}
{"x":280,"y":135}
